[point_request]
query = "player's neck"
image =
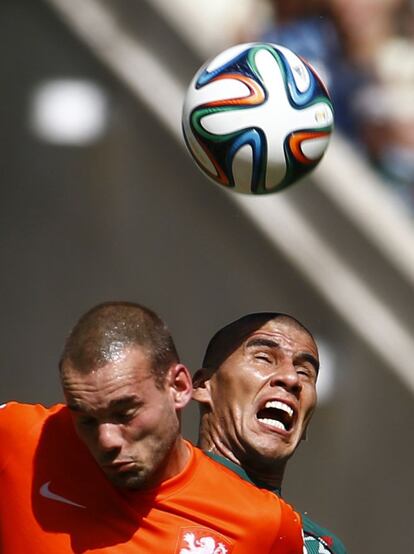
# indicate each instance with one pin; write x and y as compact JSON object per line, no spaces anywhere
{"x":179,"y":458}
{"x":270,"y":475}
{"x":216,"y":446}
{"x":174,"y":464}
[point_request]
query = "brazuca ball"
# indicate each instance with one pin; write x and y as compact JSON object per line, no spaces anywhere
{"x":257,"y":118}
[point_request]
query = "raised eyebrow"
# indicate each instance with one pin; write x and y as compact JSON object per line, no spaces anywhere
{"x":262,"y":342}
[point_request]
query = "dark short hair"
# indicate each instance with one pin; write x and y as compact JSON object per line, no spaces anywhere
{"x":229,"y":337}
{"x":118,"y":325}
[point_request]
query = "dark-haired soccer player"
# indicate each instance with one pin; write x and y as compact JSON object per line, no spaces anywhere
{"x":256,"y":393}
{"x":110,"y":472}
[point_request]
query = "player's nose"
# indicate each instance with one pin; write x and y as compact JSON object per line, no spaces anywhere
{"x":109,"y":437}
{"x":286,"y":376}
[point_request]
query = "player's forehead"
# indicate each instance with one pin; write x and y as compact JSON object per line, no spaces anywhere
{"x":129,"y":368}
{"x":280,"y":331}
{"x":126,"y":374}
{"x":286,"y":328}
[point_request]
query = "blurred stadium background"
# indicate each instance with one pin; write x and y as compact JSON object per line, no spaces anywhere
{"x":101,"y":201}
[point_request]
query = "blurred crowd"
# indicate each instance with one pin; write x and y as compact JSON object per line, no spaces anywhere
{"x":364,"y":50}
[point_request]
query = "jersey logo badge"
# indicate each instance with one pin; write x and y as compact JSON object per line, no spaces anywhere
{"x":328,"y":540}
{"x":198,"y":540}
{"x":47,"y":493}
{"x":315,"y":545}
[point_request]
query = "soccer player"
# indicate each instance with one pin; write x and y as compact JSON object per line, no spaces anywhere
{"x":109,"y":471}
{"x":256,"y":394}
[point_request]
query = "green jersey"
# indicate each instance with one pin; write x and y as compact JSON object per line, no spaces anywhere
{"x":317,"y":539}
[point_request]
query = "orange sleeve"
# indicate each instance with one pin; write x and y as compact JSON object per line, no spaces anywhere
{"x":290,"y":536}
{"x":6,"y":431}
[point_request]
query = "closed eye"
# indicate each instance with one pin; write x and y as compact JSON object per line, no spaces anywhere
{"x":303,"y":372}
{"x":263,"y":357}
{"x":124,"y":417}
{"x":307,"y":372}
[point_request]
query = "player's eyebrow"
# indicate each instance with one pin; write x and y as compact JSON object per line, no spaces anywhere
{"x":117,"y":403}
{"x":260,"y":341}
{"x":270,"y":343}
{"x":127,"y":400}
{"x":307,"y":357}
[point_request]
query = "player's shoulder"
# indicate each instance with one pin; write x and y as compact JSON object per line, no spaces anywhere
{"x":27,"y":409}
{"x":241,"y":500}
{"x":230,"y":481}
{"x":222,"y":472}
{"x":21,"y":426}
{"x":319,"y":539}
{"x":17,"y":416}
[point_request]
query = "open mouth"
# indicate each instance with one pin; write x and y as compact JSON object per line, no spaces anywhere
{"x":277,"y":414}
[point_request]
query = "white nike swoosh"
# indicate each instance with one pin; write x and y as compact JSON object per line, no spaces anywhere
{"x":47,"y":493}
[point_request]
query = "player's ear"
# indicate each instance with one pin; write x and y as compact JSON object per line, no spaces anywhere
{"x":201,"y":386}
{"x":179,"y":382}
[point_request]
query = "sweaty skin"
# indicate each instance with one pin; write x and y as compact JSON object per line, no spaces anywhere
{"x":276,"y":363}
{"x":127,"y":422}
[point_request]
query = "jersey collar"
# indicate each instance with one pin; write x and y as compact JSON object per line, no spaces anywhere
{"x":242,"y":473}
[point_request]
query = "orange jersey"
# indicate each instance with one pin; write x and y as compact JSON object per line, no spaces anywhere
{"x":55,"y":499}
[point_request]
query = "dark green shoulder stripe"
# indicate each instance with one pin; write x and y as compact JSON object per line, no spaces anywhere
{"x":241,"y":472}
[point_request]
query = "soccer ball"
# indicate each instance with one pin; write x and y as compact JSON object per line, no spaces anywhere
{"x":257,"y":118}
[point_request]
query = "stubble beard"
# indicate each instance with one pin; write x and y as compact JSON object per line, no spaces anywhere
{"x":149,"y":475}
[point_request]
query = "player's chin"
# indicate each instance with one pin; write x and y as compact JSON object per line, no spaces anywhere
{"x":127,"y":479}
{"x":267,"y":445}
{"x":275,"y":443}
{"x":128,"y":482}
{"x":267,"y":455}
